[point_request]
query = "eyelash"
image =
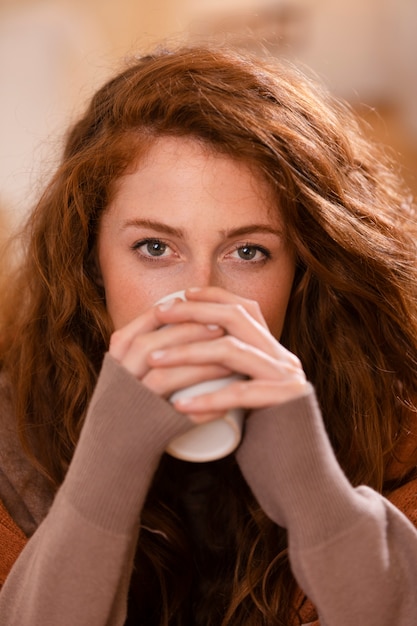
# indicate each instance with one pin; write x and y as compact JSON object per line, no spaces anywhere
{"x":153,"y":240}
{"x":266,"y":253}
{"x":149,"y":240}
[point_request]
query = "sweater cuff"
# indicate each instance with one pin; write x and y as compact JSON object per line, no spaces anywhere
{"x":287,"y":459}
{"x":126,"y":431}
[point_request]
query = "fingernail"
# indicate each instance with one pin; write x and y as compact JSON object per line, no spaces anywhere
{"x":213,"y":326}
{"x":166,"y":305}
{"x":158,"y":354}
{"x":183,"y":401}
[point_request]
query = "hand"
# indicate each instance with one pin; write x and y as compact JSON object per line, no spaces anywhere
{"x":274,"y":375}
{"x":132,"y":345}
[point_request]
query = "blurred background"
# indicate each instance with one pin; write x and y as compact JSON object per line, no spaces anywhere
{"x":55,"y":53}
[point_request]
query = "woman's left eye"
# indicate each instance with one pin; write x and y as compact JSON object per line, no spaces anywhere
{"x":251,"y":253}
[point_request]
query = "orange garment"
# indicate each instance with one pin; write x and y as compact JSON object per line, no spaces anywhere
{"x":12,"y":542}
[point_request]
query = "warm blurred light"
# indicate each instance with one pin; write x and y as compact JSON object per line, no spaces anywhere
{"x":53,"y":53}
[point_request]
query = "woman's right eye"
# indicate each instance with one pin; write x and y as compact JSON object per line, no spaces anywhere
{"x":151,"y":247}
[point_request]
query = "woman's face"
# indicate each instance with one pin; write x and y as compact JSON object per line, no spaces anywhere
{"x":191,"y":217}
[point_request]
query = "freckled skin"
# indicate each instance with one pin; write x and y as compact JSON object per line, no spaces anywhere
{"x":191,"y":206}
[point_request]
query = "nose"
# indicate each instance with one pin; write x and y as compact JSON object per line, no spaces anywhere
{"x":205,"y":274}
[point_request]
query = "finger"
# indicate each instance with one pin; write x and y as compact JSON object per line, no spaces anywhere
{"x":122,"y":338}
{"x":202,"y":418}
{"x":166,"y":381}
{"x":233,"y":354}
{"x":246,"y":394}
{"x":221,"y":296}
{"x":144,"y":323}
{"x":136,"y":355}
{"x":233,"y":317}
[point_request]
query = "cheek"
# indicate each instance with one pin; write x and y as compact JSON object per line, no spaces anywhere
{"x":118,"y":303}
{"x":274,"y":301}
{"x":122,"y":295}
{"x":128,"y":295}
{"x":274,"y":314}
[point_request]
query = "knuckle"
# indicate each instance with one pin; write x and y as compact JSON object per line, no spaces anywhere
{"x":250,"y":308}
{"x":116,"y":338}
{"x":154,"y":380}
{"x":296,"y":362}
{"x":117,"y":344}
{"x":235,"y":309}
{"x":254,"y":308}
{"x":229,"y":342}
{"x":138,"y":343}
{"x":232,"y":343}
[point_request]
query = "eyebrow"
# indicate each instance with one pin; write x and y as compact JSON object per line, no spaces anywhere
{"x":152,"y":225}
{"x":170,"y":230}
{"x":252,"y":228}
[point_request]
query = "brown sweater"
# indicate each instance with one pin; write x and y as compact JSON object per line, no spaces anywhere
{"x":352,"y":551}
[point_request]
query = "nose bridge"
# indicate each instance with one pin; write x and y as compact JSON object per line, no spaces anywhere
{"x":205,"y":273}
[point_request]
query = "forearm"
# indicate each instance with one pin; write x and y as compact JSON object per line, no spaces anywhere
{"x":353,"y":554}
{"x":76,"y":567}
{"x":367,"y":573}
{"x":71,"y":572}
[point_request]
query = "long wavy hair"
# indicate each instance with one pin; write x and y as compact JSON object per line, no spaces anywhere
{"x":351,"y":317}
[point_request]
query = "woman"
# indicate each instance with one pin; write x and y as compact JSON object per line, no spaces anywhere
{"x":241,"y":182}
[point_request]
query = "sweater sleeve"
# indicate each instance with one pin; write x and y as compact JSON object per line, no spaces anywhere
{"x":352,"y":551}
{"x":76,"y":567}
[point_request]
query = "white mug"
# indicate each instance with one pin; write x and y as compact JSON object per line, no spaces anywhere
{"x":212,"y":440}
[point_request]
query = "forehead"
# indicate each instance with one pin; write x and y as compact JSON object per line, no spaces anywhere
{"x":173,"y":170}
